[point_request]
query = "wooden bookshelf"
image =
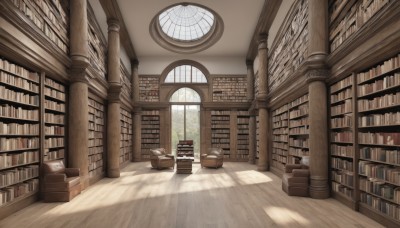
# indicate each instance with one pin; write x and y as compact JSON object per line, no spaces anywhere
{"x":348,"y":17}
{"x":49,"y":16}
{"x":257,"y":138}
{"x":185,"y":148}
{"x":379,"y":140}
{"x":298,"y":129}
{"x":150,"y":132}
{"x":290,"y":49}
{"x":242,"y":138}
{"x":149,"y":87}
{"x":20,"y":135}
{"x":126,"y":136}
{"x":220,"y":131}
{"x":97,"y":45}
{"x":97,"y":131}
{"x":229,"y":89}
{"x":280,"y":137}
{"x":342,"y":156}
{"x":54,"y":118}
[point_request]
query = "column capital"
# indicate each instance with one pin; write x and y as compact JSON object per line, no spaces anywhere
{"x":317,"y":75}
{"x":262,"y":41}
{"x":78,"y":75}
{"x":114,"y":92}
{"x":113,"y":25}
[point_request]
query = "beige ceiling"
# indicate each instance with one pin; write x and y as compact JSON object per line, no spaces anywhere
{"x":240,"y":19}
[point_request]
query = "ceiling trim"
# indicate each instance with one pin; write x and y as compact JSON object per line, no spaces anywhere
{"x":268,"y":13}
{"x":112,"y":11}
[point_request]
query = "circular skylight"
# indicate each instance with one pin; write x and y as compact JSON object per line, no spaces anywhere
{"x":186,"y":22}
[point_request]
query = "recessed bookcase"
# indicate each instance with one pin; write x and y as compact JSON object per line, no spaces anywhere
{"x":347,"y":17}
{"x":379,"y":139}
{"x":126,"y":136}
{"x":185,"y":148}
{"x":54,"y":119}
{"x":257,"y":137}
{"x":298,"y":129}
{"x":220,"y":131}
{"x":51,"y":17}
{"x":97,"y":131}
{"x":342,"y":149}
{"x":242,"y":140}
{"x":19,"y":133}
{"x":280,"y":134}
{"x":150,"y":132}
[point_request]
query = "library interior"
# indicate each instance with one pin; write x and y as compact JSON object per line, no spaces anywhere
{"x":229,"y":113}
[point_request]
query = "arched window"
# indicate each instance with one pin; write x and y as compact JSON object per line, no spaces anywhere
{"x":185,"y":95}
{"x":185,"y":74}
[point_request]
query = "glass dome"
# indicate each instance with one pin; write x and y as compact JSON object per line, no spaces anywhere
{"x":186,"y":22}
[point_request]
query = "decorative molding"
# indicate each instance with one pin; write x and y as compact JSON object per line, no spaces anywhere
{"x":317,"y":75}
{"x":114,"y":93}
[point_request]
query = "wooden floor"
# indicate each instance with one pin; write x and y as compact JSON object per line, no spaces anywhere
{"x":234,"y":196}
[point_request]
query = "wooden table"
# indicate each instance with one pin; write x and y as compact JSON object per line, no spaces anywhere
{"x":184,"y":165}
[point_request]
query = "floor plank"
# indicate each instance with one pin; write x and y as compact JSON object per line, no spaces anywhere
{"x":233,"y":196}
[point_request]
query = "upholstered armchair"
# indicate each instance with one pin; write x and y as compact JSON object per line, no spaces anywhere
{"x":60,"y":184}
{"x":295,"y":180}
{"x":160,"y":159}
{"x":213,"y":159}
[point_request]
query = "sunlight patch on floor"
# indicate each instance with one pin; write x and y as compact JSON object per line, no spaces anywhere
{"x":283,"y":216}
{"x":252,"y":177}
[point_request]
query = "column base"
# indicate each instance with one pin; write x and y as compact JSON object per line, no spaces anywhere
{"x":113,"y":173}
{"x":319,"y":188}
{"x":262,"y":168}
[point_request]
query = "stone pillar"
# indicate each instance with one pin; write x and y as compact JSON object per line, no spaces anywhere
{"x":316,"y":75}
{"x":250,"y":80}
{"x":113,"y":117}
{"x":263,"y":160}
{"x":252,"y":139}
{"x":137,"y":121}
{"x":78,"y":138}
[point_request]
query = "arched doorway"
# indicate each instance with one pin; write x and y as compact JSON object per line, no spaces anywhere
{"x":185,"y":118}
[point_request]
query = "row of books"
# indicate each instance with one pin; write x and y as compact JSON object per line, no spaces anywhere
{"x":20,"y":71}
{"x":280,"y":131}
{"x":150,"y":131}
{"x":390,"y":209}
{"x":280,"y":151}
{"x":380,"y":154}
{"x":298,"y":152}
{"x":10,"y":193}
{"x":54,"y":93}
{"x":342,"y":189}
{"x":298,"y":142}
{"x":389,"y":118}
{"x":151,"y":112}
{"x":239,"y":137}
{"x":379,"y":188}
{"x":383,"y":138}
{"x":11,"y":111}
{"x":344,"y":108}
{"x":95,"y":127}
{"x":300,"y":111}
{"x":151,"y":119}
{"x":150,"y":126}
{"x":343,"y":164}
{"x":54,"y":130}
{"x":344,"y":136}
{"x":342,"y":122}
{"x":280,"y":138}
{"x":96,"y":105}
{"x":126,"y":120}
{"x":280,"y":145}
{"x":9,"y":160}
{"x":18,"y":82}
{"x":283,"y":116}
{"x":281,"y":110}
{"x":53,"y":142}
{"x":54,"y":118}
{"x":95,"y":157}
{"x":387,"y":82}
{"x":219,"y":118}
{"x":96,"y":112}
{"x":299,"y":122}
{"x":343,"y":95}
{"x":388,"y":65}
{"x":51,"y":83}
{"x":343,"y":177}
{"x":20,"y":97}
{"x":155,"y":140}
{"x":54,"y":106}
{"x":385,"y":101}
{"x":18,"y":129}
{"x":380,"y":171}
{"x":242,"y":120}
{"x":220,"y":140}
{"x":299,"y":130}
{"x":298,"y":101}
{"x":280,"y":124}
{"x":18,"y":143}
{"x":96,"y":150}
{"x":95,"y":142}
{"x":339,"y":150}
{"x":54,"y":154}
{"x":279,"y":158}
{"x":95,"y":165}
{"x":243,"y":131}
{"x":342,"y":84}
{"x":13,"y":176}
